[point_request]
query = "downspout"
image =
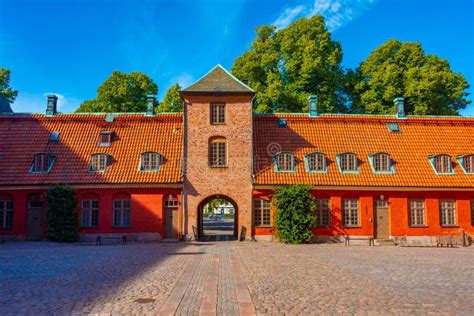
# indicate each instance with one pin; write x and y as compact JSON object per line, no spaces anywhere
{"x":184,"y":200}
{"x":252,"y":175}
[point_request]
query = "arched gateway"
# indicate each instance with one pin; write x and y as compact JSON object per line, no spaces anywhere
{"x":217,"y":219}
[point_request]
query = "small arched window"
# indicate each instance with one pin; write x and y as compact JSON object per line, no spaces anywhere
{"x":348,"y":163}
{"x":42,"y":163}
{"x":316,"y":162}
{"x":442,"y":164}
{"x":217,"y":152}
{"x":151,"y":161}
{"x":467,"y":163}
{"x":99,"y":162}
{"x":285,"y":161}
{"x":381,"y":163}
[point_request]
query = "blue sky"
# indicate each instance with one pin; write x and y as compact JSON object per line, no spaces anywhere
{"x":71,"y":47}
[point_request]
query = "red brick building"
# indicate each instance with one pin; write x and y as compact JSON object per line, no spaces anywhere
{"x":148,"y":176}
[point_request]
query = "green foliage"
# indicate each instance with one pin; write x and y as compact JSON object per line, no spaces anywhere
{"x":62,"y":218}
{"x":216,"y":202}
{"x":294,"y":215}
{"x":121,"y":92}
{"x":5,"y":88}
{"x":286,"y":66}
{"x":172,"y":101}
{"x":395,"y":69}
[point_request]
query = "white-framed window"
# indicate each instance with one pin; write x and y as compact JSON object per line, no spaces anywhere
{"x":381,"y":162}
{"x":348,"y":162}
{"x":468,"y":163}
{"x":262,"y":213}
{"x":42,"y":163}
{"x":442,"y":164}
{"x":448,"y":213}
{"x":322,"y":213}
{"x":151,"y":161}
{"x":6,"y":214}
{"x":350,"y":210}
{"x":417,"y":212}
{"x":105,"y":139}
{"x":121,"y":213}
{"x":99,"y":162}
{"x":316,"y":162}
{"x":285,"y":161}
{"x":171,"y":202}
{"x":217,"y":152}
{"x":217,"y":113}
{"x":90,"y":213}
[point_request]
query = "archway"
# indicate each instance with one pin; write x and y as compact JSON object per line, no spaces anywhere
{"x":217,"y":219}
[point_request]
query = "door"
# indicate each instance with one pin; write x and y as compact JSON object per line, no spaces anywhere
{"x":171,"y":222}
{"x":34,"y":221}
{"x":381,"y":219}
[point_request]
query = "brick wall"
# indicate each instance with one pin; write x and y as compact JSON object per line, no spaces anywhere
{"x":233,"y":181}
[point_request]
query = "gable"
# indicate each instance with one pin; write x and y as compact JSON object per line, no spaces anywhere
{"x":219,"y":80}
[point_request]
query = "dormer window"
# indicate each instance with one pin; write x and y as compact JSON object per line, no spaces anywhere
{"x":151,"y":161}
{"x":285,"y":162}
{"x":467,"y":163}
{"x":217,"y":113}
{"x":381,"y":163}
{"x":105,"y":139}
{"x":42,"y":163}
{"x":99,"y":162}
{"x":347,"y":163}
{"x":316,"y":162}
{"x":442,"y":164}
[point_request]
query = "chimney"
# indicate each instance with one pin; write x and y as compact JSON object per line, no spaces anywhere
{"x":52,"y":106}
{"x":313,"y":106}
{"x":399,"y":107}
{"x":150,"y":104}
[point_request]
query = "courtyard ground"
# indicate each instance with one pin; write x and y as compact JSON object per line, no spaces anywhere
{"x":231,"y":278}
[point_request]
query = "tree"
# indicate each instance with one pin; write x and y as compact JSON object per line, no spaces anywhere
{"x":294,"y":215}
{"x":286,"y":66}
{"x":121,"y":92}
{"x":62,"y":217}
{"x":5,"y":88}
{"x":395,"y":69}
{"x":172,"y":101}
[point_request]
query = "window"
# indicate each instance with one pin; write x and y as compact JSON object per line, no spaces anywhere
{"x":442,"y":164}
{"x":105,"y":139}
{"x":262,"y":213}
{"x":99,"y":162}
{"x":472,"y":212}
{"x":316,"y":162}
{"x":90,"y":213}
{"x":322,"y":213}
{"x":217,"y":113}
{"x":151,"y":161}
{"x":448,"y":213}
{"x":347,"y":162}
{"x":381,"y":163}
{"x":285,"y":162}
{"x":42,"y":163}
{"x":122,"y":213}
{"x":467,"y":163}
{"x":171,"y":202}
{"x":350,"y":209}
{"x":417,"y":213}
{"x":393,"y":127}
{"x":6,"y":213}
{"x":217,"y":152}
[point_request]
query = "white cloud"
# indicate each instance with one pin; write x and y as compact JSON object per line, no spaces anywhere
{"x":184,"y":80}
{"x":337,"y":13}
{"x":288,"y":16}
{"x":36,"y":103}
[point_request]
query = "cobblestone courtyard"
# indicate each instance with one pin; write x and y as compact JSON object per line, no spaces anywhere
{"x":231,"y":278}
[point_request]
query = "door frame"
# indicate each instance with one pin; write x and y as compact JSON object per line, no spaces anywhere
{"x":382,"y":198}
{"x":41,"y":222}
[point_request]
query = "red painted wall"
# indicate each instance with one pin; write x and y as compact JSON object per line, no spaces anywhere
{"x":398,"y":212}
{"x":146,"y":209}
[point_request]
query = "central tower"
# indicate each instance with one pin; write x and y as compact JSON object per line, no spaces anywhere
{"x":217,"y":147}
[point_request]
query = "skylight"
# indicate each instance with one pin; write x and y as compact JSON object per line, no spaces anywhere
{"x":282,"y":123}
{"x":54,"y":136}
{"x":393,"y":127}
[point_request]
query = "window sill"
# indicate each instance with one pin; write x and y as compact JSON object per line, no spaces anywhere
{"x":450,"y":226}
{"x":322,"y":226}
{"x":121,"y":227}
{"x":352,"y":226}
{"x":264,"y":226}
{"x":218,"y":123}
{"x":218,"y":167}
{"x":418,"y":226}
{"x":89,"y":227}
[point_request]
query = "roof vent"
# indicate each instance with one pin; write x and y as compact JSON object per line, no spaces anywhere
{"x":109,"y":118}
{"x":282,"y":123}
{"x":393,"y":127}
{"x":54,"y":137}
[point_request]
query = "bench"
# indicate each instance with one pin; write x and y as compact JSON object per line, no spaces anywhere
{"x":98,"y":242}
{"x":349,"y":238}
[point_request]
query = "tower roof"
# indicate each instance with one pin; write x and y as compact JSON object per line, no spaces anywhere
{"x":219,"y":79}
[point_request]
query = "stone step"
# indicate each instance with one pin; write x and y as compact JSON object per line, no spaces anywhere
{"x":384,"y":242}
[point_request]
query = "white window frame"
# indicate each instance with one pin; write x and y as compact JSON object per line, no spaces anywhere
{"x":351,"y":212}
{"x":121,"y":213}
{"x":447,"y":213}
{"x":262,"y":213}
{"x":90,"y":212}
{"x":347,"y":163}
{"x":151,"y":161}
{"x":99,"y":162}
{"x":285,"y":161}
{"x":323,"y":213}
{"x":6,"y":214}
{"x":417,"y":213}
{"x":316,"y":162}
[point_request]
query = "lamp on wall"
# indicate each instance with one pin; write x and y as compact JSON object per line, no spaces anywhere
{"x":382,"y":197}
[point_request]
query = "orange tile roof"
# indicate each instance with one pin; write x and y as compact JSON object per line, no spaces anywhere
{"x":23,"y":135}
{"x":419,"y":138}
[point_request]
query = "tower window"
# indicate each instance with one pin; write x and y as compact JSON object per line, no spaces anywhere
{"x":217,"y":152}
{"x":217,"y":113}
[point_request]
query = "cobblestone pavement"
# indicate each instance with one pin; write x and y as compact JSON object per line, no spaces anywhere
{"x":232,"y":278}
